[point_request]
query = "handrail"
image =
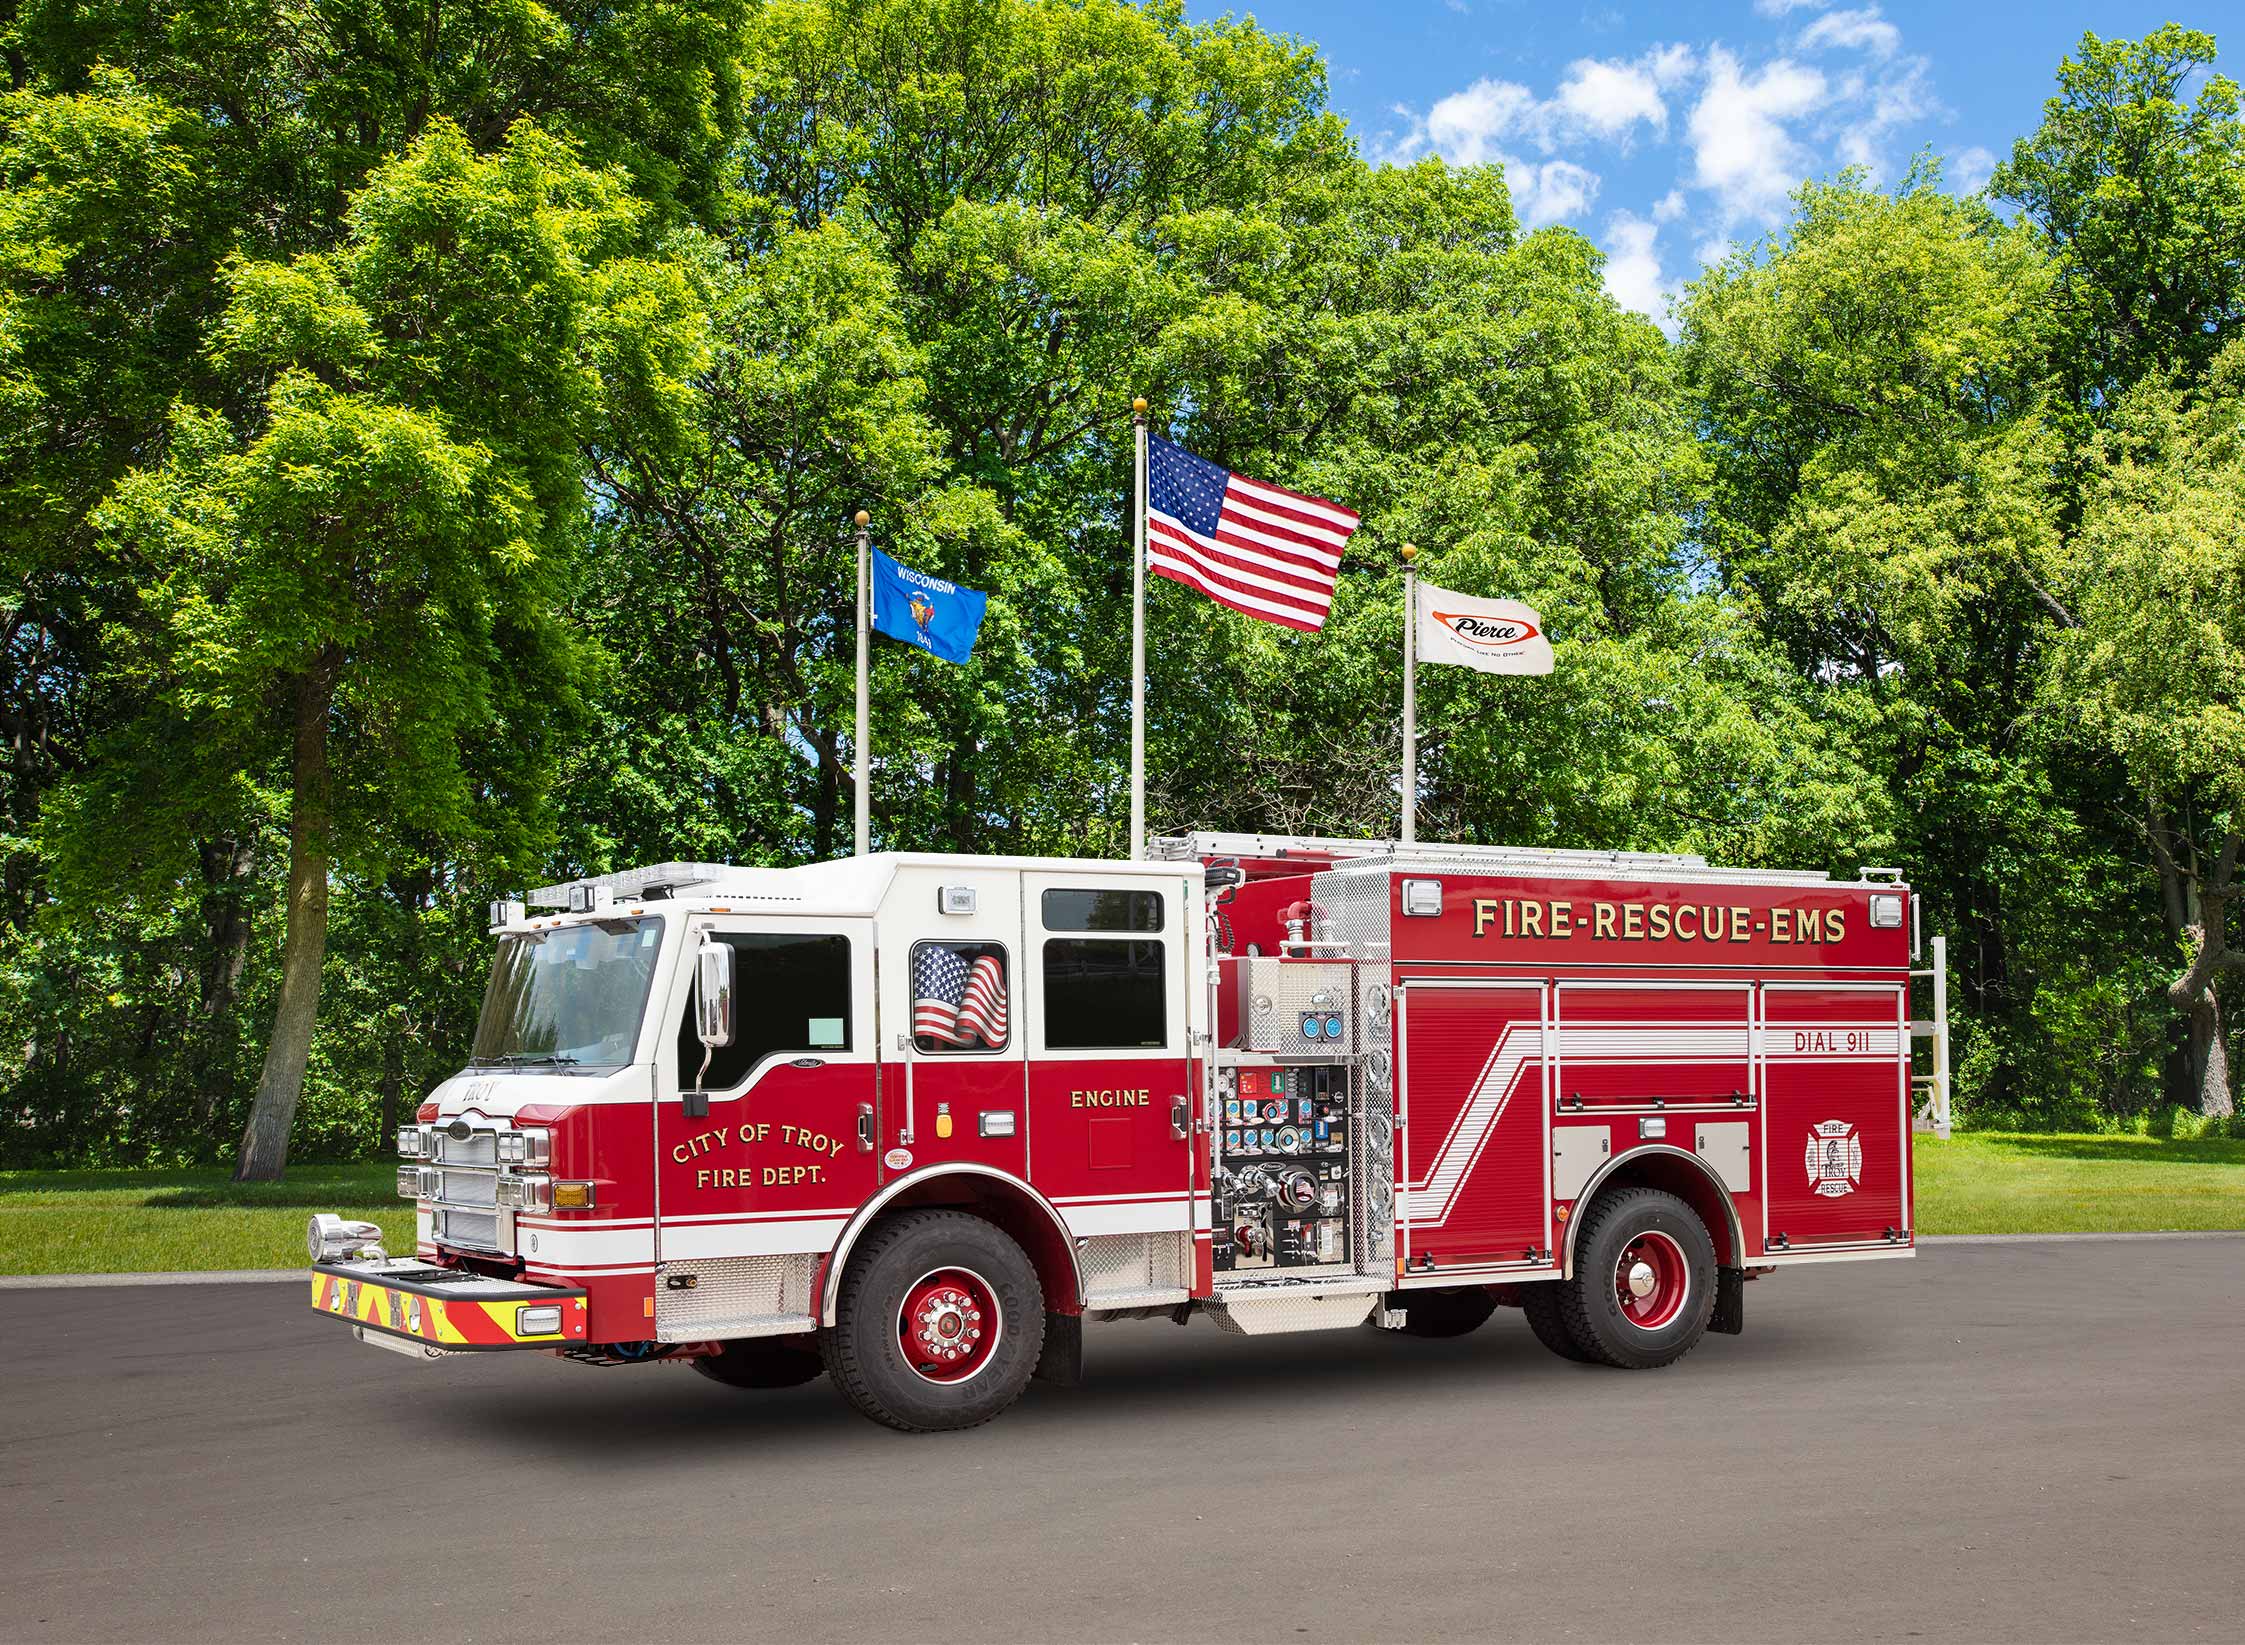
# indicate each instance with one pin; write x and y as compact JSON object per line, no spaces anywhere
{"x":1933,"y":1115}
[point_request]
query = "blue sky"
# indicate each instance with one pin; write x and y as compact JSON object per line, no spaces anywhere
{"x":1667,"y":133}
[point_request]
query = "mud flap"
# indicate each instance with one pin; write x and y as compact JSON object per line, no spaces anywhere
{"x":1062,"y":1362}
{"x":1729,"y":1317}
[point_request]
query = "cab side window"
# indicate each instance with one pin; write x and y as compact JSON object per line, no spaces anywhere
{"x":1104,"y":995}
{"x":959,"y":997}
{"x":791,"y":993}
{"x":1067,"y":908}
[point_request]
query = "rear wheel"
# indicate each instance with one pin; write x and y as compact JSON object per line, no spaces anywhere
{"x":763,"y":1362}
{"x":1444,"y":1313}
{"x":939,"y":1323}
{"x":1545,"y":1317}
{"x":1644,"y":1282}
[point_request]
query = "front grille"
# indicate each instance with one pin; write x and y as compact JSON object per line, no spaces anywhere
{"x":478,"y":1229}
{"x":468,"y":1187}
{"x":476,"y":1148}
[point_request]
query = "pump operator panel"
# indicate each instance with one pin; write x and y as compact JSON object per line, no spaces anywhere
{"x":1282,"y":1178}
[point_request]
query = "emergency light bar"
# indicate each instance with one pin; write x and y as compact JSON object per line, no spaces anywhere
{"x":578,"y":896}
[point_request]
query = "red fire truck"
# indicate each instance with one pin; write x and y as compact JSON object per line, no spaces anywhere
{"x":913,"y":1119}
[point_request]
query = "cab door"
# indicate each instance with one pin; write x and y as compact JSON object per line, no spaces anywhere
{"x":786,"y":1150}
{"x":1111,"y":1102}
{"x":955,"y":1094}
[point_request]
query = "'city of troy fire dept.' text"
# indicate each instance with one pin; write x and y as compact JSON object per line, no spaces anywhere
{"x":750,"y":1176}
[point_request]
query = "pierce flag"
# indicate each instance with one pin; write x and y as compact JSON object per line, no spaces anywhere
{"x":1495,"y":636}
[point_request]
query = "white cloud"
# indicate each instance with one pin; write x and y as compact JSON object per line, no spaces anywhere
{"x":1610,"y":98}
{"x":1551,"y":192}
{"x":1970,"y":170}
{"x":1863,"y":30}
{"x":1742,"y":147}
{"x":1753,"y":122}
{"x":1633,"y":267}
{"x":1903,"y":94}
{"x":1596,"y":100}
{"x":1486,"y":124}
{"x":1466,"y":126}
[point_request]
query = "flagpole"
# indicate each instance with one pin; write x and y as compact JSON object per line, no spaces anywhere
{"x":1138,"y":636}
{"x":864,"y":686}
{"x":1410,"y":696}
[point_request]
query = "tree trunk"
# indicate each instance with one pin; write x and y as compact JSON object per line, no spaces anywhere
{"x":226,"y":863}
{"x":393,"y":1081}
{"x":264,"y":1152}
{"x":2210,"y":1053}
{"x":826,"y":797}
{"x":2193,"y":993}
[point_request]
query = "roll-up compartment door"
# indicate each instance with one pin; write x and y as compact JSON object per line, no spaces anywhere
{"x":1627,"y":1045}
{"x":1835,"y":1115}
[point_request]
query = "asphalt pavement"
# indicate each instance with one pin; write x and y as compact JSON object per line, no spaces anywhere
{"x":2035,"y":1442}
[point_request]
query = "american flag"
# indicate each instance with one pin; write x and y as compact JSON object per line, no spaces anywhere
{"x":1257,"y":548}
{"x":955,"y":1001}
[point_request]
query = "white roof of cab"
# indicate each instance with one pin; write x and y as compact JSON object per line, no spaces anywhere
{"x":846,"y":885}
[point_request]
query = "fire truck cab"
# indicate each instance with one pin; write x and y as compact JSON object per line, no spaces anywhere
{"x":910,"y":1120}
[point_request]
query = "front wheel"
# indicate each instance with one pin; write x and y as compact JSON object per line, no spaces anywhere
{"x":939,"y":1324}
{"x":1644,"y":1283}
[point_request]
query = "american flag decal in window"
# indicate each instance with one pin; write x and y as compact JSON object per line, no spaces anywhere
{"x":955,"y":1001}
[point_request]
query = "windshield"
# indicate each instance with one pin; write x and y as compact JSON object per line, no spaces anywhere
{"x":567,"y":997}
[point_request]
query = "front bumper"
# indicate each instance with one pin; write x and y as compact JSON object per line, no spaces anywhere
{"x":446,"y":1309}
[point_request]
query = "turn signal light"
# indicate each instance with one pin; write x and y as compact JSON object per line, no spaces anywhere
{"x":572,"y":1196}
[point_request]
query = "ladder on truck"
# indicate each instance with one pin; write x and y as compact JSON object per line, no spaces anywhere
{"x":1929,"y":1091}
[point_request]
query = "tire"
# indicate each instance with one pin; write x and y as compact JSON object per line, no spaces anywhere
{"x":763,"y":1362}
{"x":1604,"y":1315}
{"x":976,"y":1325}
{"x":1545,"y":1317}
{"x":1444,"y":1313}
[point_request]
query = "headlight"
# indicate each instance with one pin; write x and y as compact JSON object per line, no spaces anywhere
{"x":528,"y":1193}
{"x":526,"y":1147}
{"x":413,"y":1142}
{"x":409,"y":1182}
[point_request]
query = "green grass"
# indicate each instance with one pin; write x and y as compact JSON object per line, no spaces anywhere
{"x":93,"y":1222}
{"x":2027,"y":1183}
{"x":90,"y":1222}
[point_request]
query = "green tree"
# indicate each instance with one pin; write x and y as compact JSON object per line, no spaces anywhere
{"x":361,"y":582}
{"x":2141,"y":197}
{"x":1871,"y":387}
{"x":2152,"y":665}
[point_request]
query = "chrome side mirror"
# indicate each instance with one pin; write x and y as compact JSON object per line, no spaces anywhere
{"x":713,"y":1016}
{"x":713,"y":995}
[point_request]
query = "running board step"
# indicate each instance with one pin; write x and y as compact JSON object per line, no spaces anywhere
{"x":1338,"y":1308}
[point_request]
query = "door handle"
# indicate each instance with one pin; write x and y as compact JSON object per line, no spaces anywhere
{"x":1177,"y":1125}
{"x":865,"y":1128}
